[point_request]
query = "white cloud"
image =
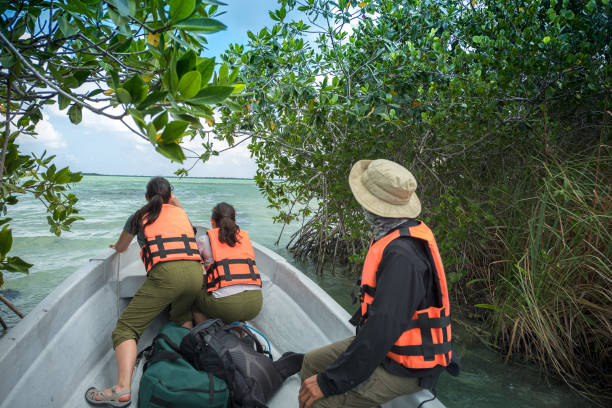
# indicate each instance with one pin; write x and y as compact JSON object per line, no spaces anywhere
{"x":102,"y":145}
{"x":46,"y":136}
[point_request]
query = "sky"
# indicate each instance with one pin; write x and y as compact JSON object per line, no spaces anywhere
{"x":104,"y":146}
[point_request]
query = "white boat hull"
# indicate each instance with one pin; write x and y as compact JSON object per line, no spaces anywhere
{"x":64,"y":345}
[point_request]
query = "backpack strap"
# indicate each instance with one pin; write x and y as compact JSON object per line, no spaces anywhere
{"x":169,"y":342}
{"x":248,"y":330}
{"x":161,"y":356}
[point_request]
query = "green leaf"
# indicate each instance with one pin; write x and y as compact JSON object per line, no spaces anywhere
{"x":5,"y":220}
{"x":212,"y":94}
{"x":133,"y":6}
{"x":75,"y":113}
{"x":62,"y":101}
{"x":487,"y":306}
{"x":172,"y":151}
{"x":207,"y":25}
{"x":62,"y":176}
{"x":235,"y":107}
{"x":152,"y":133}
{"x":123,"y":95}
{"x":81,"y":76}
{"x":122,"y":7}
{"x":95,"y":92}
{"x":117,"y":18}
{"x":189,"y":85}
{"x":238,"y":88}
{"x":186,"y":63}
{"x":206,"y":69}
{"x":234,"y":75}
{"x":67,"y":28}
{"x":7,"y":61}
{"x":16,"y":264}
{"x":152,"y":98}
{"x":137,"y":88}
{"x":223,"y":74}
{"x":6,"y":240}
{"x":174,"y":131}
{"x":181,"y":9}
{"x":160,"y":121}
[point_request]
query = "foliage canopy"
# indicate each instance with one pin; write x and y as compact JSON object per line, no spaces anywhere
{"x":478,"y":99}
{"x":136,"y":61}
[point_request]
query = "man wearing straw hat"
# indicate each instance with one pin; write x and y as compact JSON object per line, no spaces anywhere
{"x":403,"y":339}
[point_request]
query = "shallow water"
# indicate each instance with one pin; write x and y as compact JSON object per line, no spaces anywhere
{"x":106,"y":201}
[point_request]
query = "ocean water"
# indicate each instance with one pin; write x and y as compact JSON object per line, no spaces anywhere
{"x":105,"y":202}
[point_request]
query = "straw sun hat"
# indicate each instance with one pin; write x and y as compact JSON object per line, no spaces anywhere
{"x":385,"y":188}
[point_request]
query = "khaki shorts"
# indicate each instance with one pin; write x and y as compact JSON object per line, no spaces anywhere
{"x":382,"y":386}
{"x":241,"y":306}
{"x":174,"y":283}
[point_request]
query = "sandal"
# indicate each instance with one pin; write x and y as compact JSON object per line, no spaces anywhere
{"x":111,"y":400}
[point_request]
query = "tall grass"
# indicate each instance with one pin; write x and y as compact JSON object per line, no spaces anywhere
{"x":552,"y":295}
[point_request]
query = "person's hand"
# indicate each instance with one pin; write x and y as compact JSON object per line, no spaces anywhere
{"x":174,"y":201}
{"x":309,"y":392}
{"x":113,"y":246}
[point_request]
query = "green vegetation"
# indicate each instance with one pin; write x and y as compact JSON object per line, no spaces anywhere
{"x":501,"y":110}
{"x":550,"y":292}
{"x":122,"y":59}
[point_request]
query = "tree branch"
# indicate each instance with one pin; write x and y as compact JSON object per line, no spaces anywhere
{"x":7,"y":130}
{"x":37,"y":74}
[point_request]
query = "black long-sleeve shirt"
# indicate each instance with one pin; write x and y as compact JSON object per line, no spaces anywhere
{"x":404,"y":284}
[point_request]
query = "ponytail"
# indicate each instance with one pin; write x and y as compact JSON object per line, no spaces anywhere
{"x":224,"y":216}
{"x":158,"y":193}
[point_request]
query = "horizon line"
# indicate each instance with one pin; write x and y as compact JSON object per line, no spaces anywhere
{"x":174,"y":176}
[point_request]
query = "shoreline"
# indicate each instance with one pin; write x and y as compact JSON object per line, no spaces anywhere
{"x":172,"y":177}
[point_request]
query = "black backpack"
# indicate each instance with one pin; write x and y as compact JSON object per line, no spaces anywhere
{"x":233,"y":353}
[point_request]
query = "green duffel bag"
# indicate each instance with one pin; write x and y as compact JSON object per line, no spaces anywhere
{"x":170,"y":381}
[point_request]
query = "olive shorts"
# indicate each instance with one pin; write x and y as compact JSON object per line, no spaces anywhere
{"x":241,"y":306}
{"x":382,"y":386}
{"x":174,"y":283}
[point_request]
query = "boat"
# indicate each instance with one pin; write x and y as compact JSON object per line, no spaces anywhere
{"x":63,"y":347}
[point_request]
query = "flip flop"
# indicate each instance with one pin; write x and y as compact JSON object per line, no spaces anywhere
{"x":111,"y":400}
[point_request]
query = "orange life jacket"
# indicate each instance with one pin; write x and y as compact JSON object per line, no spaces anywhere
{"x":427,"y":341}
{"x":169,"y":238}
{"x":232,"y":265}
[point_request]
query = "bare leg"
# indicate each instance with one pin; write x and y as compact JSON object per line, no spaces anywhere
{"x":199,"y":317}
{"x":125,"y":353}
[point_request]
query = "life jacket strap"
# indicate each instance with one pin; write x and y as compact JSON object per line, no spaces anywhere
{"x":162,"y":252}
{"x":225,"y":263}
{"x":427,"y":349}
{"x":367,"y":289}
{"x":430,"y":323}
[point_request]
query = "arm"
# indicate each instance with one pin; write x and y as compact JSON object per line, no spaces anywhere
{"x":123,"y":242}
{"x":174,"y":201}
{"x":399,"y":291}
{"x":205,"y":249}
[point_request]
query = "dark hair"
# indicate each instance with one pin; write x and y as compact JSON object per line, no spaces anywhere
{"x":158,"y":192}
{"x":224,"y":216}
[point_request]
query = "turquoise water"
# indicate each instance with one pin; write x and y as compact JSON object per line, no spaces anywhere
{"x":106,"y":201}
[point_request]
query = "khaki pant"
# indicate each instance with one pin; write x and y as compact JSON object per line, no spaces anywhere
{"x":381,"y":387}
{"x":241,"y":306}
{"x":174,"y":283}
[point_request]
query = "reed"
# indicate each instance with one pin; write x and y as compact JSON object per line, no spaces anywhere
{"x":552,"y":295}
